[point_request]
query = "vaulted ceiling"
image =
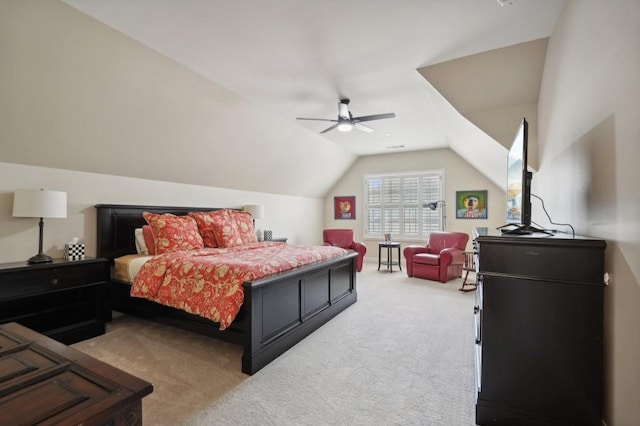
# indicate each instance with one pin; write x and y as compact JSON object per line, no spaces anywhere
{"x":439,"y":65}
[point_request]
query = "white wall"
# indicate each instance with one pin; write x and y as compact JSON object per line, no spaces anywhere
{"x":589,"y":151}
{"x":459,"y":175}
{"x":298,"y":218}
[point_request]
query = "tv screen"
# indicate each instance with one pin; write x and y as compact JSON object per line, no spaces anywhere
{"x":518,"y":208}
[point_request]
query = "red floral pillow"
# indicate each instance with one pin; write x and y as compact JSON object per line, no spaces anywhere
{"x":220,"y":225}
{"x":244,"y":223}
{"x":149,"y":241}
{"x":206,"y":221}
{"x":173,"y":233}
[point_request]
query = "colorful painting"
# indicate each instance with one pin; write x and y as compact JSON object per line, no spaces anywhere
{"x":471,"y":204}
{"x":344,"y":207}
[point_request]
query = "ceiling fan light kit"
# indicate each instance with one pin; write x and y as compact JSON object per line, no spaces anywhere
{"x":346,"y":121}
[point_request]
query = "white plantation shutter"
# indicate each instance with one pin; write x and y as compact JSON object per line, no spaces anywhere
{"x":395,"y":204}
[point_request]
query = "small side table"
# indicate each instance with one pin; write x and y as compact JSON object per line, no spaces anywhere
{"x":389,"y":261}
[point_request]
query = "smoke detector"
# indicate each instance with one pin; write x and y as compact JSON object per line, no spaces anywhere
{"x":504,"y":3}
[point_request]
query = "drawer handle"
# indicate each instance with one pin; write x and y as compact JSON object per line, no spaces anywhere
{"x":54,"y":281}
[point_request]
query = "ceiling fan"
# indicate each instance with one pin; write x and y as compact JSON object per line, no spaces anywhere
{"x":346,"y":121}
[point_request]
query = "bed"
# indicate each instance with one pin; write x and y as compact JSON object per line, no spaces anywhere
{"x":277,"y":312}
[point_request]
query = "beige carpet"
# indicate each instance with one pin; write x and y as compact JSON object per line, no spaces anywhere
{"x":402,"y":355}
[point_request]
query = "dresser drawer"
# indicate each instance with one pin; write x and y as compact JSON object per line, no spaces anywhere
{"x":37,"y":281}
{"x":582,"y":263}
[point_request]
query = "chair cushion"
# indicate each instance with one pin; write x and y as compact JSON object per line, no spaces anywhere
{"x":427,"y":259}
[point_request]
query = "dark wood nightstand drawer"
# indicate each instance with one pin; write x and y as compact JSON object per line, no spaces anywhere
{"x":37,"y":281}
{"x":62,"y":299}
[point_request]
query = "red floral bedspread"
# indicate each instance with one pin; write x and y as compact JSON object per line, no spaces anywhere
{"x":208,"y":282}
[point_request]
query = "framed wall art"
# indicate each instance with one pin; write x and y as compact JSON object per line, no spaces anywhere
{"x":344,"y":207}
{"x":471,"y":204}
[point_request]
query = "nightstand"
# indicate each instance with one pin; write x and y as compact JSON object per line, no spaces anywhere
{"x":282,"y":240}
{"x":62,"y":299}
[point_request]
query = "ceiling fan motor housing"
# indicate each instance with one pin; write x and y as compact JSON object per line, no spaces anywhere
{"x":343,"y":110}
{"x":346,"y":121}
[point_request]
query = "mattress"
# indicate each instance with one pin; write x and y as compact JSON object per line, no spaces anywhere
{"x":127,"y":267}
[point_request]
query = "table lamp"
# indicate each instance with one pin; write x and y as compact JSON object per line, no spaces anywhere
{"x":39,"y":203}
{"x":255,"y":210}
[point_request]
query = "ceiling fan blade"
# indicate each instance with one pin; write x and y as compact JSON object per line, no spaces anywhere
{"x":373,"y":117}
{"x":328,"y":129}
{"x":362,"y":127}
{"x":317,"y":119}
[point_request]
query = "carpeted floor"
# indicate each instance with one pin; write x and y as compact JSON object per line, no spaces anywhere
{"x":402,"y":355}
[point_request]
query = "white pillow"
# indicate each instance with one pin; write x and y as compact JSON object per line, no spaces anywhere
{"x":141,"y":246}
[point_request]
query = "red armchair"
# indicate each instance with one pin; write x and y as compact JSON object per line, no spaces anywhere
{"x":441,"y":259}
{"x":344,"y":238}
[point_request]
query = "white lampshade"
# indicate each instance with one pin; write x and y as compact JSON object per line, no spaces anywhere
{"x":256,"y":210}
{"x":39,"y":203}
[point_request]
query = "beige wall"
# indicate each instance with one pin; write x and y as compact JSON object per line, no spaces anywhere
{"x":19,"y":236}
{"x":458,"y":176}
{"x":89,"y":111}
{"x":78,"y":95}
{"x":589,"y":150}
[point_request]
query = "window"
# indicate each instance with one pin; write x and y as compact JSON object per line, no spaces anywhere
{"x":396,"y":204}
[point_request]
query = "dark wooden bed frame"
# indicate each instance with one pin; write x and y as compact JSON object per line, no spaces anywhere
{"x":278,"y":311}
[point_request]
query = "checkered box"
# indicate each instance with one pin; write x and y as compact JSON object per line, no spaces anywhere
{"x":74,"y":251}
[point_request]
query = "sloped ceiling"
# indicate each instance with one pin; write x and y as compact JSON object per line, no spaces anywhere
{"x":292,"y":58}
{"x":494,"y":90}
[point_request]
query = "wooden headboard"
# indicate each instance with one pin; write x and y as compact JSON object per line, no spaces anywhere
{"x":116,"y":226}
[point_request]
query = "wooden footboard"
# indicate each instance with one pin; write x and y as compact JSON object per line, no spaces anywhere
{"x":278,"y":311}
{"x":285,"y":308}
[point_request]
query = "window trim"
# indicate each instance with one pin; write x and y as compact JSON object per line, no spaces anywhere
{"x":417,"y":173}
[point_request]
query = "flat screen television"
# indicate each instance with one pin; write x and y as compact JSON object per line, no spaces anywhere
{"x":518,"y":206}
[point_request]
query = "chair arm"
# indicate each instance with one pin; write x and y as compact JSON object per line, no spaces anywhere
{"x":359,"y":247}
{"x":409,"y":251}
{"x":451,"y":256}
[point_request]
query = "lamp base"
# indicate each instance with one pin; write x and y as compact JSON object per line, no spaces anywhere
{"x":40,"y":258}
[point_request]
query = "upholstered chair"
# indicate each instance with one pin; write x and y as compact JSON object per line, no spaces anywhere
{"x":440,"y":260}
{"x":344,"y":238}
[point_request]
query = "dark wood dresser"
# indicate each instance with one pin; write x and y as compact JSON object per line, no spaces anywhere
{"x":61,"y":299}
{"x":45,"y":382}
{"x":539,"y":329}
